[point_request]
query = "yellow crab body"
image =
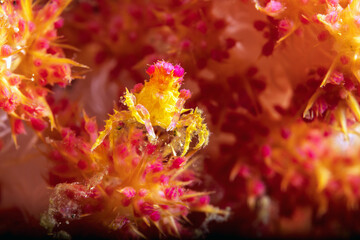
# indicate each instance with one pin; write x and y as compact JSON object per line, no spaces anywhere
{"x":160,"y":104}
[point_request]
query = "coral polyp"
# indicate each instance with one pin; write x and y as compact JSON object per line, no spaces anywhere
{"x":126,"y":182}
{"x":329,"y":172}
{"x":31,"y":58}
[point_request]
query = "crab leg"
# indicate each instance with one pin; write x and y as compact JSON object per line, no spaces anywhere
{"x":189,"y":132}
{"x":184,"y":95}
{"x":203,"y":137}
{"x":109,"y":124}
{"x":130,"y":101}
{"x":146,"y":120}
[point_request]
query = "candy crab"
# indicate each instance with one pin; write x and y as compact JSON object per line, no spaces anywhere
{"x":160,"y":103}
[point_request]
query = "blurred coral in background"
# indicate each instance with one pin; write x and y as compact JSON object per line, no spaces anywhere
{"x":179,"y":118}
